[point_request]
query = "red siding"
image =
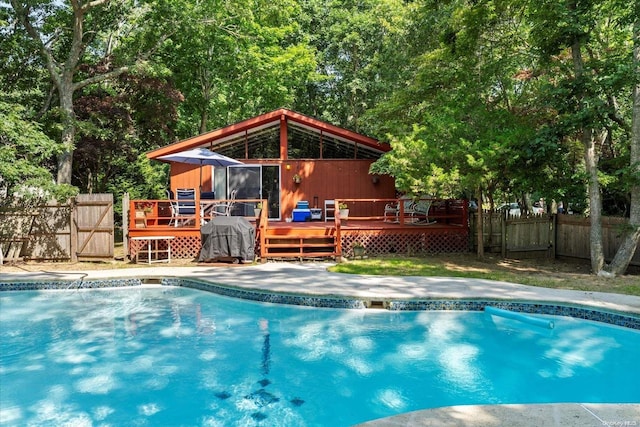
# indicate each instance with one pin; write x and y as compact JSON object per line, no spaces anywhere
{"x":326,"y":179}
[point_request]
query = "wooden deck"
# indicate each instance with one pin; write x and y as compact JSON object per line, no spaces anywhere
{"x":442,"y":232}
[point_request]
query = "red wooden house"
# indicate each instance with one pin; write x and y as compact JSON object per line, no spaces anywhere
{"x":289,"y":158}
{"x":330,"y":162}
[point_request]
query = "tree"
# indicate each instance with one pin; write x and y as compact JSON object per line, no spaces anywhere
{"x":58,"y":30}
{"x":630,"y":243}
{"x":356,"y":50}
{"x":117,"y":124}
{"x":590,"y":68}
{"x":24,"y":153}
{"x":507,"y":94}
{"x":472,"y":106}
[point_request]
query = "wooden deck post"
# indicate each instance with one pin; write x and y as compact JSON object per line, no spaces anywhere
{"x":73,"y":230}
{"x":125,"y":223}
{"x":263,"y":220}
{"x":338,"y":238}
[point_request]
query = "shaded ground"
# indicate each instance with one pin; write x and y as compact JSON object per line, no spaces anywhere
{"x":561,"y":274}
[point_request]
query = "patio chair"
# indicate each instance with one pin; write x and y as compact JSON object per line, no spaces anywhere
{"x":392,"y":210}
{"x":329,"y":209}
{"x":419,"y":212}
{"x":223,"y":208}
{"x":183,"y":207}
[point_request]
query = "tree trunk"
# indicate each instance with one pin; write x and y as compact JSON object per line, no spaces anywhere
{"x":65,"y":159}
{"x":62,"y":72}
{"x":630,"y":243}
{"x":204,"y":118}
{"x":591,"y":164}
{"x":480,"y":227}
{"x":595,"y":202}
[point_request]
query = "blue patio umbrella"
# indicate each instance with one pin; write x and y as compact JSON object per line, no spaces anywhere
{"x":200,"y":156}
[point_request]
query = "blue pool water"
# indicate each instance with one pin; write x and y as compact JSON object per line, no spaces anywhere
{"x":176,"y":356}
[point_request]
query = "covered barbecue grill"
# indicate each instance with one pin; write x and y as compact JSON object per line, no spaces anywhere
{"x":227,"y":238}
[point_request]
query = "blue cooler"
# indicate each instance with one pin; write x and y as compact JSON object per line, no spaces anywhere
{"x":301,"y":215}
{"x":302,"y":204}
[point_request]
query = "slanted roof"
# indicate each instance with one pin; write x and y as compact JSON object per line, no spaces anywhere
{"x":265,"y":126}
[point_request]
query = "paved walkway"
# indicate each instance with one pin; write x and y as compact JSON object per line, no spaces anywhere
{"x":314,"y":279}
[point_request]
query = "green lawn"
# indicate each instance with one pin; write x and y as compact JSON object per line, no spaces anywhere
{"x":550,"y":274}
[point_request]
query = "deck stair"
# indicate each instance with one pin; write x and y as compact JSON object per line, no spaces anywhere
{"x":309,"y":242}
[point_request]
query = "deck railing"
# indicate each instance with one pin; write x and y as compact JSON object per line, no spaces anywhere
{"x":187,"y":214}
{"x":406,"y":211}
{"x":162,"y":213}
{"x":157,"y":217}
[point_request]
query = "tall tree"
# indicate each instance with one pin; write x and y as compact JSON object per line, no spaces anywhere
{"x":237,"y":59}
{"x":584,"y":47}
{"x":472,"y":105}
{"x":630,"y":243}
{"x":355,"y":41}
{"x":58,"y":29}
{"x":494,"y":71}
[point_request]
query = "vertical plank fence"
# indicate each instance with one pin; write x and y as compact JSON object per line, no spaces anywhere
{"x":80,"y":230}
{"x":573,"y":237}
{"x":15,"y":226}
{"x":547,"y":236}
{"x":92,"y":222}
{"x":515,"y":237}
{"x":529,"y":236}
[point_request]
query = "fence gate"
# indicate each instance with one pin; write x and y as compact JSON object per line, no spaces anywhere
{"x":525,"y":236}
{"x":92,"y":223}
{"x":534,"y":235}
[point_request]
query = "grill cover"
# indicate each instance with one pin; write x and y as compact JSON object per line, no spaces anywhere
{"x":227,"y":236}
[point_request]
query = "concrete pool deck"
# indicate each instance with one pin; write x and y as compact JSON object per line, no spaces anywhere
{"x":314,"y":279}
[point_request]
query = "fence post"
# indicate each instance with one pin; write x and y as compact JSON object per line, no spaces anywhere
{"x":73,"y":229}
{"x":473,"y":233}
{"x":554,"y":234}
{"x":503,"y":233}
{"x":125,"y":224}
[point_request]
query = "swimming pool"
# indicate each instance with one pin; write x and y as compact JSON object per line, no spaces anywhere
{"x":177,"y":356}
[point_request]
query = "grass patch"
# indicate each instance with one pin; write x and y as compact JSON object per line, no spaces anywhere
{"x":542,"y":273}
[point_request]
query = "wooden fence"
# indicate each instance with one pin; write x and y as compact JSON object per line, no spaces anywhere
{"x":548,"y":236}
{"x":572,"y":237}
{"x":81,"y":230}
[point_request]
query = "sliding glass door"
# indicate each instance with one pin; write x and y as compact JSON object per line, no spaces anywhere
{"x":271,"y":189}
{"x":249,"y":182}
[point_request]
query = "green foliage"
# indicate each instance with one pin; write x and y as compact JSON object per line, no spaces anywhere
{"x":24,"y":153}
{"x":490,"y":88}
{"x":234,"y":60}
{"x":471,"y":95}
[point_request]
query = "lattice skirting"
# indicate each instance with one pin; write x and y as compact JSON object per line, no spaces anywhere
{"x":375,"y":243}
{"x":184,"y":247}
{"x":433,"y":241}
